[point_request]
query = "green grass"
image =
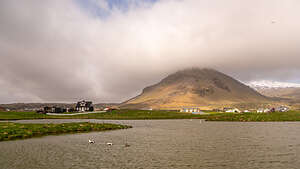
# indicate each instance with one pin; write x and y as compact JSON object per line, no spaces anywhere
{"x":259,"y":117}
{"x":13,"y":131}
{"x":118,"y":115}
{"x":160,"y":114}
{"x":11,"y":115}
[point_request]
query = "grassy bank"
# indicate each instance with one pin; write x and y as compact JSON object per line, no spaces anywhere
{"x":12,"y":115}
{"x":258,"y":117}
{"x":159,"y":114}
{"x":13,"y":131}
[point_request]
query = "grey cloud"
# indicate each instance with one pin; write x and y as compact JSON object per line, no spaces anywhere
{"x":55,"y":51}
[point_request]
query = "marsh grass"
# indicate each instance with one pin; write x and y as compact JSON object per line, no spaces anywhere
{"x":13,"y":131}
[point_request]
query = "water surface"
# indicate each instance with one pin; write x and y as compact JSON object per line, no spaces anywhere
{"x":161,"y":144}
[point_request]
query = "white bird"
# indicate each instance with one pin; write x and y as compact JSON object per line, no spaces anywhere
{"x":91,"y":141}
{"x":110,"y":144}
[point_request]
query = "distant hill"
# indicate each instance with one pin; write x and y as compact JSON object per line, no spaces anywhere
{"x":195,"y":87}
{"x":287,"y":93}
{"x":36,"y":106}
{"x":277,"y":89}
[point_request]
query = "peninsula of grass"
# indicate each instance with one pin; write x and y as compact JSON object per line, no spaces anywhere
{"x":13,"y":131}
{"x":161,"y":114}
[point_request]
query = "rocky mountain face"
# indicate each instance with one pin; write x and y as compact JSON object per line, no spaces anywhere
{"x":195,"y":87}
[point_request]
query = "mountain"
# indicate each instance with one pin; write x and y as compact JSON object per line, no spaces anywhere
{"x":195,"y":87}
{"x":277,"y":89}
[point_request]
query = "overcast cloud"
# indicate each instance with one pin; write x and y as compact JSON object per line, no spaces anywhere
{"x":63,"y":50}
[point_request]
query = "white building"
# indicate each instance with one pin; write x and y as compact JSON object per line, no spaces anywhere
{"x":234,"y":110}
{"x":190,"y":110}
{"x":260,"y":110}
{"x":282,"y":109}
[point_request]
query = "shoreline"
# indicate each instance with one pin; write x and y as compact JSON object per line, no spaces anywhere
{"x":15,"y":131}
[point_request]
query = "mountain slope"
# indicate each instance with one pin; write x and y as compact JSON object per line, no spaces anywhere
{"x":194,"y":87}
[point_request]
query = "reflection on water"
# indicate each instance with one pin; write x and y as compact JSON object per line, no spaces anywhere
{"x":162,"y":144}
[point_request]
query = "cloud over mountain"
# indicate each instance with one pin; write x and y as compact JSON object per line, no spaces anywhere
{"x":64,"y":50}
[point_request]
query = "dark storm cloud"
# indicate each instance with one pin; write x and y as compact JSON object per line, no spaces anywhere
{"x":57,"y":51}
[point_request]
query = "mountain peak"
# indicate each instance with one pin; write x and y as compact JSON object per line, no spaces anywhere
{"x":192,"y":75}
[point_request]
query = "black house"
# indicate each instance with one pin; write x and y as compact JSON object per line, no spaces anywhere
{"x":84,"y":106}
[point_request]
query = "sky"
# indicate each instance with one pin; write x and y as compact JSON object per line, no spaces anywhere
{"x":109,"y":50}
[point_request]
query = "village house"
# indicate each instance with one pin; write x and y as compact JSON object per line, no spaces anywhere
{"x":231,"y":110}
{"x":260,"y":110}
{"x":265,"y":110}
{"x":53,"y":110}
{"x":282,"y":109}
{"x":193,"y":110}
{"x":83,"y":106}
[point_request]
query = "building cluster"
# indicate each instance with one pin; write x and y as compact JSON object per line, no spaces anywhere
{"x":197,"y":110}
{"x":259,"y":110}
{"x":81,"y":106}
{"x":193,"y":110}
{"x":4,"y":109}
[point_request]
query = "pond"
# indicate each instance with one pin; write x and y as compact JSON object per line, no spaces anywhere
{"x":161,"y":144}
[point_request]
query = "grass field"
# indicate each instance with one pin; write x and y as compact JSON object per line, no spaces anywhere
{"x":259,"y":117}
{"x":159,"y":114}
{"x":13,"y":131}
{"x":119,"y":114}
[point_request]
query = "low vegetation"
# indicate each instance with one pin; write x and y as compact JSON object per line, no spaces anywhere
{"x":160,"y":114}
{"x":116,"y":114}
{"x":12,"y":131}
{"x":254,"y":117}
{"x":12,"y":115}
